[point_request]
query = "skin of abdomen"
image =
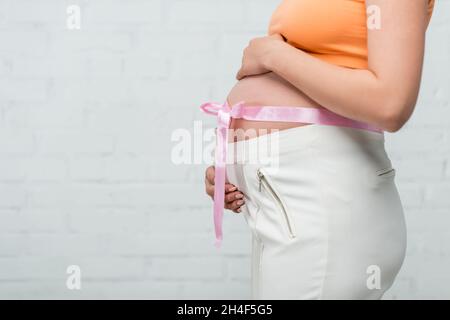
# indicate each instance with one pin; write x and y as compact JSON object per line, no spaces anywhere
{"x":266,"y":89}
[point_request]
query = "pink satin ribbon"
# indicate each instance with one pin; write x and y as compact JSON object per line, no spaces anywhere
{"x":224,"y":113}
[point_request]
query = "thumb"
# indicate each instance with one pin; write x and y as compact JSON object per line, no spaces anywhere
{"x":240,"y":74}
{"x":279,"y":36}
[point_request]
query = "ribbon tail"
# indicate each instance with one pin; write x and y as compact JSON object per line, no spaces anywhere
{"x":218,"y":243}
{"x":219,"y":181}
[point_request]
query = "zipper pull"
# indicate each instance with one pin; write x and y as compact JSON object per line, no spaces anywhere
{"x":260,"y":176}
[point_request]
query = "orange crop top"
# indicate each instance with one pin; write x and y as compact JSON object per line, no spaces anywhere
{"x":331,"y":30}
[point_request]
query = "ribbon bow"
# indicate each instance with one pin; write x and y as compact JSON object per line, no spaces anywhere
{"x":224,"y":113}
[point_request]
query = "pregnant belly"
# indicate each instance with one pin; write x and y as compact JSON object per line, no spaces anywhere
{"x":260,"y":90}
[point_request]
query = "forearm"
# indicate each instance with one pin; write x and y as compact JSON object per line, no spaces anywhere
{"x":353,"y":93}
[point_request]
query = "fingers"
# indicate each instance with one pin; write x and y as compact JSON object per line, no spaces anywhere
{"x":232,"y":196}
{"x":234,"y":199}
{"x":235,"y":205}
{"x":230,"y":187}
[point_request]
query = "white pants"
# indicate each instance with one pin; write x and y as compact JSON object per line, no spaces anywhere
{"x":324,"y":211}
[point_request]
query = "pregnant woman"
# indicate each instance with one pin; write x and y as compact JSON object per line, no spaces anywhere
{"x":330,"y":77}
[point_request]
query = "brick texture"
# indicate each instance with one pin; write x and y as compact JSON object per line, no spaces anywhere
{"x":86,"y":177}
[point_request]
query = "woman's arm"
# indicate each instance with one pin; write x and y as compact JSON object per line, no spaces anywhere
{"x":384,"y":95}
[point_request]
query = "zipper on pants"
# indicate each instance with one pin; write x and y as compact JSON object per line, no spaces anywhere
{"x":391,"y":170}
{"x":263,"y":181}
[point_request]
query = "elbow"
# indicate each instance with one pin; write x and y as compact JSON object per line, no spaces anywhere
{"x":395,"y":116}
{"x":392,"y":121}
{"x":394,"y":104}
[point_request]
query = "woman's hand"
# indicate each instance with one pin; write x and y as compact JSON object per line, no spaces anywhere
{"x":256,"y":53}
{"x":234,"y":199}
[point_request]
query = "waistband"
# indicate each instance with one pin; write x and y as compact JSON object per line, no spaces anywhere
{"x":224,"y":113}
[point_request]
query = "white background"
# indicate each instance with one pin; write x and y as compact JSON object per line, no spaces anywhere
{"x":86,"y":176}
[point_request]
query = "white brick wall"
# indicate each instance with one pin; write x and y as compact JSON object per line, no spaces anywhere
{"x":86,"y":118}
